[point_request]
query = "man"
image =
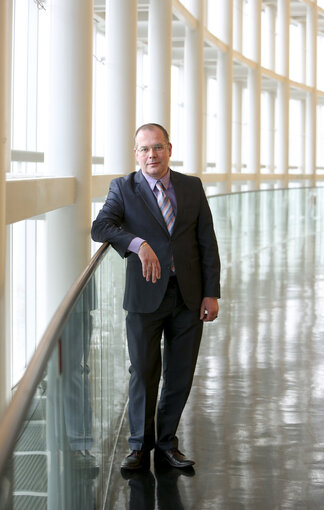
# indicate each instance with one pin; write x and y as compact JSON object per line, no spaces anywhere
{"x":161,"y":221}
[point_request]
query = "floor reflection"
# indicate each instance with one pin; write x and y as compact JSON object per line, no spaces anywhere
{"x":254,"y":422}
{"x":146,"y":489}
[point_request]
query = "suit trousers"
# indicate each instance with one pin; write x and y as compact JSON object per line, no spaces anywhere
{"x":181,"y":329}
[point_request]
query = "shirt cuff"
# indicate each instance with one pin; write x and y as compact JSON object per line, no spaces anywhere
{"x":135,"y":244}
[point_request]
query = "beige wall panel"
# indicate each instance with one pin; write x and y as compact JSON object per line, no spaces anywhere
{"x":31,"y":197}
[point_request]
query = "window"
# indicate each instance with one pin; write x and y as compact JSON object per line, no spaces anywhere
{"x":29,"y":83}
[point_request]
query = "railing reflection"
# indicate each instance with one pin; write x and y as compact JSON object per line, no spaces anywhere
{"x":63,"y":455}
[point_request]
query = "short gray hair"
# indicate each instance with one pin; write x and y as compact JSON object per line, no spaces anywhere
{"x":150,"y":126}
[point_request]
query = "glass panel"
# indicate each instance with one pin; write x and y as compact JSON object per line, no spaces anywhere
{"x":65,"y":452}
{"x":296,"y":49}
{"x":28,"y":293}
{"x":62,"y":458}
{"x":30,"y":79}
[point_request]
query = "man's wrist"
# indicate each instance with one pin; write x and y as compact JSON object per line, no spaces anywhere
{"x":143,"y":244}
{"x":135,"y":244}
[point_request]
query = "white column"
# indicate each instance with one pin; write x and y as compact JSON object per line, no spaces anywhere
{"x":70,"y":142}
{"x":225,"y":20}
{"x":311,"y":38}
{"x":225,"y":83}
{"x":5,"y":38}
{"x":121,"y":41}
{"x":301,"y":147}
{"x":238,"y":25}
{"x":311,"y":100}
{"x":270,"y":135}
{"x":193,"y":92}
{"x":303,"y":56}
{"x":270,"y":29}
{"x":254,"y":92}
{"x":310,"y":135}
{"x":205,"y":105}
{"x":3,"y":143}
{"x":237,"y":127}
{"x":159,"y":61}
{"x":283,"y":130}
{"x":224,"y":115}
{"x":255,"y":30}
{"x":283,"y":14}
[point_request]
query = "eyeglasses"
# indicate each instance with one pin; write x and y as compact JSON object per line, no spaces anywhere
{"x":156,"y":148}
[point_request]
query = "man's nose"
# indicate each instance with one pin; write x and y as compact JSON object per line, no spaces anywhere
{"x":152,"y":151}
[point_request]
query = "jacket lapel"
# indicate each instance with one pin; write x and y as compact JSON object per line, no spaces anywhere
{"x":144,"y":192}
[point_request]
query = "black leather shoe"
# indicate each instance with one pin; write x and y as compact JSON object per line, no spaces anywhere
{"x":137,"y":459}
{"x":174,"y":457}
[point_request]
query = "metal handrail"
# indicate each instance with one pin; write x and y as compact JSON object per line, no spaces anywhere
{"x":17,"y":409}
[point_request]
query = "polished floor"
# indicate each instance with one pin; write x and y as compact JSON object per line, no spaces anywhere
{"x":254,"y":422}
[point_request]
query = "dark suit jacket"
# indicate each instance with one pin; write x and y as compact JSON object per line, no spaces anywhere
{"x":131,"y":211}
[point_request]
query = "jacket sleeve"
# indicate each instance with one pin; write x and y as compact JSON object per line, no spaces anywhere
{"x":208,"y":247}
{"x":108,"y":226}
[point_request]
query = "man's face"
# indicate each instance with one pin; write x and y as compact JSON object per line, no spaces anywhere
{"x":153,"y":152}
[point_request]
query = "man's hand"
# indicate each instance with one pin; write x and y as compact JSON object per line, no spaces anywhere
{"x":150,"y":263}
{"x":209,"y":309}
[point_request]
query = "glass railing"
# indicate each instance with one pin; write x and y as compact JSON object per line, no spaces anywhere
{"x":267,"y":218}
{"x":59,"y":435}
{"x":66,"y":439}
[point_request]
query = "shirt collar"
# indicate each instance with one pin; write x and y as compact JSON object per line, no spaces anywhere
{"x":152,"y":182}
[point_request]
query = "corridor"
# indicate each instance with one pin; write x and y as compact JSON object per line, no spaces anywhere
{"x":254,"y":422}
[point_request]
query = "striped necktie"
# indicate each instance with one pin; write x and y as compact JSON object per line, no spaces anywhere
{"x":167,"y":211}
{"x":164,"y":204}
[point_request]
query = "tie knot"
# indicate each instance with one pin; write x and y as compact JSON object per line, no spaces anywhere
{"x":159,"y":186}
